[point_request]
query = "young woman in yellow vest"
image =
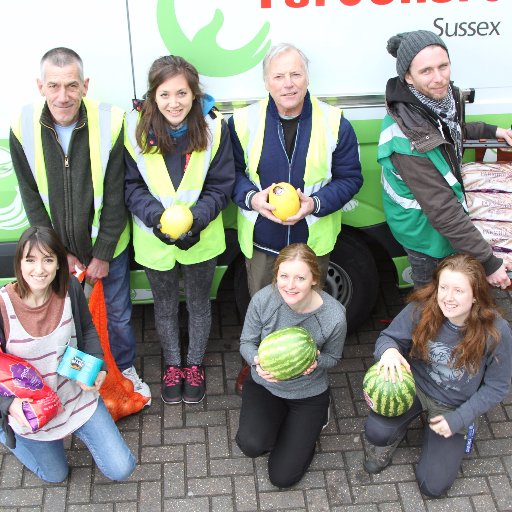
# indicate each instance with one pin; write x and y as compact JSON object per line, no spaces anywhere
{"x":178,"y":151}
{"x":43,"y":312}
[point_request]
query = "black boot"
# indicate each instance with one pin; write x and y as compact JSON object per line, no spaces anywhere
{"x":378,"y":457}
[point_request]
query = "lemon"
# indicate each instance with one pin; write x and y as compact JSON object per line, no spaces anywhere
{"x":286,"y":200}
{"x":176,"y":220}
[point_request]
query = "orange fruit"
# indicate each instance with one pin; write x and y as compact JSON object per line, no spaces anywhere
{"x":176,"y":220}
{"x":286,"y":200}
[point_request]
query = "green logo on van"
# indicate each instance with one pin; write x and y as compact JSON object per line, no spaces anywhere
{"x":203,"y":51}
{"x":12,"y":215}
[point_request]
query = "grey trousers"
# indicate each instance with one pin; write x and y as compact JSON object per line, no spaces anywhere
{"x":197,"y":281}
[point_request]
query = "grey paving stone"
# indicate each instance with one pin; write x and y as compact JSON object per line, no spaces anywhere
{"x":356,"y":508}
{"x":21,"y":497}
{"x":209,"y":486}
{"x":162,"y":454}
{"x":317,"y":500}
{"x":494,"y":447}
{"x":150,"y":497}
{"x":344,"y":442}
{"x":12,"y":472}
{"x":144,"y":472}
{"x":281,"y":500}
{"x":395,"y":473}
{"x":174,"y":480}
{"x":483,"y":504}
{"x":131,"y":506}
{"x":196,"y":462}
{"x":502,"y":429}
{"x":151,"y":433}
{"x":54,"y":499}
{"x":222,"y":504}
{"x":214,"y":380}
{"x":449,"y":505}
{"x":173,"y":415}
{"x":218,"y":443}
{"x":337,"y":487}
{"x":507,"y":461}
{"x":468,"y":486}
{"x":79,"y":487}
{"x":410,"y":497}
{"x":93,"y":507}
{"x":502,"y":491}
{"x":482,"y":466}
{"x":220,"y":467}
{"x":245,"y":493}
{"x":375,"y":493}
{"x":115,"y":491}
{"x":187,"y":505}
{"x":389,"y":507}
{"x":204,"y":419}
{"x":184,"y":436}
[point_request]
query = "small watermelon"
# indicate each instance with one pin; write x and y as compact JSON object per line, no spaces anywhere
{"x":386,"y":398}
{"x":287,"y":353}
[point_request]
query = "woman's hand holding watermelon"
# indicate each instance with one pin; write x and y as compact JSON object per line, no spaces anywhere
{"x":262,"y":373}
{"x":313,"y":366}
{"x":391,"y":361}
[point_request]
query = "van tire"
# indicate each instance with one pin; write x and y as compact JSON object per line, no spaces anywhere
{"x":353,"y":278}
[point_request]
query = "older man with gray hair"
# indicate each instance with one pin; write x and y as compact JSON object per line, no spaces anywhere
{"x":68,"y":155}
{"x":291,"y":136}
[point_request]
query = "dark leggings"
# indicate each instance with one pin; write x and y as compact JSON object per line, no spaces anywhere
{"x":197,"y":280}
{"x":288,"y":429}
{"x":440,"y":457}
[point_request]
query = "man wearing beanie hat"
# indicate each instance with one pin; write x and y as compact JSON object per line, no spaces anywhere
{"x":420,"y":150}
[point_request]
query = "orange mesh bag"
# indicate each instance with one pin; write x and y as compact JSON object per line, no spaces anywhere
{"x":117,"y":391}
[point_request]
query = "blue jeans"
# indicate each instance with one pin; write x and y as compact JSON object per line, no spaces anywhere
{"x":47,"y":459}
{"x":119,"y":311}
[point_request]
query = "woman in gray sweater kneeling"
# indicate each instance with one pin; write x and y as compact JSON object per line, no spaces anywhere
{"x":286,"y":417}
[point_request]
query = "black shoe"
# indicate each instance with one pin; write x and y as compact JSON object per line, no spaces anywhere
{"x":194,"y":386}
{"x":172,"y":385}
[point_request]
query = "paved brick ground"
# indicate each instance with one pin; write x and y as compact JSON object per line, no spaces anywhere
{"x":188,"y":461}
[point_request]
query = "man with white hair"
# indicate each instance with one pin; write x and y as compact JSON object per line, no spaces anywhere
{"x":292,"y":137}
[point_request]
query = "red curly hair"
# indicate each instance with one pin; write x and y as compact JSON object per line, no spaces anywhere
{"x":478,"y":333}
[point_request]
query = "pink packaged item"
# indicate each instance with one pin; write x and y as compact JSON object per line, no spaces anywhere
{"x":20,"y":379}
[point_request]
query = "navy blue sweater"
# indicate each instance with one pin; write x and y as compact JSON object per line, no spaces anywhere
{"x":274,"y":166}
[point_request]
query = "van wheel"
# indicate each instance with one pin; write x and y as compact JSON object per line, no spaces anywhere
{"x":353,"y":278}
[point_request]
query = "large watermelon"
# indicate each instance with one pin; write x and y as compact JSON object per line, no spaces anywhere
{"x":287,"y":353}
{"x":386,"y":398}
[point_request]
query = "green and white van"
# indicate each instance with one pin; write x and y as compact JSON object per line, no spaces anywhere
{"x":226,"y":40}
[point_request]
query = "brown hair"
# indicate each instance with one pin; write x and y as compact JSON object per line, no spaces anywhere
{"x":47,"y":241}
{"x":479,"y":328}
{"x":152,"y":120}
{"x":298,"y":252}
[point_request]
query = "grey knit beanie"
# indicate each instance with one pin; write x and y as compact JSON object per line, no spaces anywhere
{"x":404,"y":47}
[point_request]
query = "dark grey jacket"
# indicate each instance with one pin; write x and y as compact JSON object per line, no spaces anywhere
{"x":427,"y":131}
{"x":70,"y":190}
